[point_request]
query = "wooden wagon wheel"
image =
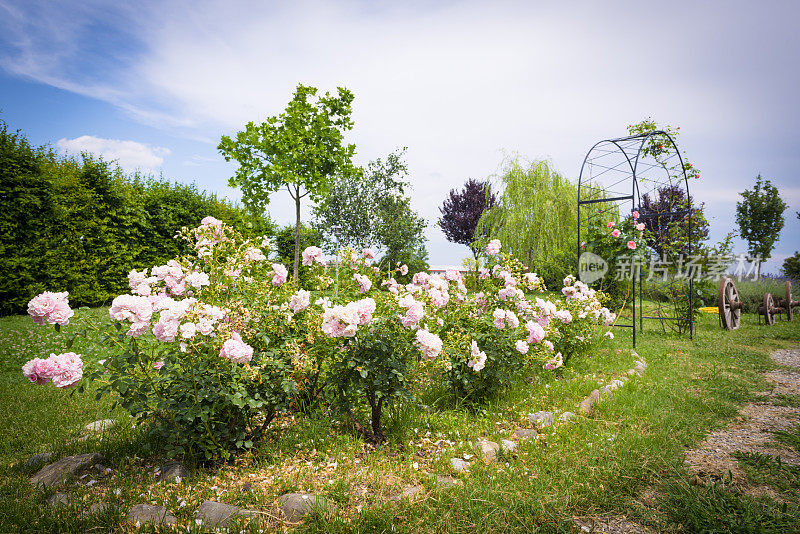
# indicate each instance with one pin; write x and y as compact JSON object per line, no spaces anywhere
{"x":768,"y":310}
{"x":730,"y":306}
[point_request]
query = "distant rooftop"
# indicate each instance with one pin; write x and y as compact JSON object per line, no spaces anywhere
{"x":443,"y":268}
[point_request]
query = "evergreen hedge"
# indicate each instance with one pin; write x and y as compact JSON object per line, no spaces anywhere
{"x":81,"y":224}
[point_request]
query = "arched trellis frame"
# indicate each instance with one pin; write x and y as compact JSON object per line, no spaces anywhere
{"x":616,"y":175}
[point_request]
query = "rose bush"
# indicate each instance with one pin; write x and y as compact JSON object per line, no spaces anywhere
{"x":212,"y":346}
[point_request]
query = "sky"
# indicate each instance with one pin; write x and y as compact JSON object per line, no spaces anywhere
{"x":461,"y":84}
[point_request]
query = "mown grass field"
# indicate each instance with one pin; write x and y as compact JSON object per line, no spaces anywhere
{"x":597,"y":465}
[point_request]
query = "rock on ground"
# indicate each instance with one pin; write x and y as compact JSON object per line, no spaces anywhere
{"x":409,"y":492}
{"x":446,"y":482}
{"x":525,"y":433}
{"x":541,"y":418}
{"x":143,"y":514}
{"x":588,"y":403}
{"x":57,"y":500}
{"x":296,"y":506}
{"x":38,"y":459}
{"x":566,"y":416}
{"x":99,"y":426}
{"x":65,"y":469}
{"x":218,"y":514}
{"x":174,"y":472}
{"x":610,"y":525}
{"x":488,"y":450}
{"x":459,"y":464}
{"x":507,"y":445}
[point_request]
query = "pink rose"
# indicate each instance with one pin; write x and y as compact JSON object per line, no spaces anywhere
{"x":535,"y":332}
{"x":493,"y":247}
{"x":236,"y":350}
{"x":632,"y":245}
{"x":635,"y":214}
{"x":615,"y":233}
{"x":610,"y":224}
{"x":280,"y":274}
{"x":158,"y":365}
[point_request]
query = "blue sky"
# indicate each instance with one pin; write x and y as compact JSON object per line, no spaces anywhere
{"x":460,"y":84}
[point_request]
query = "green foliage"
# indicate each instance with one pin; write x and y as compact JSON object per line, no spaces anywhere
{"x":81,"y":224}
{"x":375,"y":368}
{"x":301,"y":149}
{"x":535,"y":218}
{"x":791,"y":266}
{"x":718,"y":508}
{"x":400,"y":231}
{"x":371,"y":209}
{"x":760,"y":217}
{"x":349,"y":214}
{"x":660,"y":147}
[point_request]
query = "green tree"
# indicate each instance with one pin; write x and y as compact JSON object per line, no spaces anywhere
{"x":400,"y":231}
{"x":535,"y":218}
{"x":349,"y":215}
{"x":760,"y":218}
{"x":300,"y":149}
{"x":791,"y":265}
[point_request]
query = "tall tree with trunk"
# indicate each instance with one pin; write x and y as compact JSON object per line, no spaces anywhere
{"x":760,"y":218}
{"x":350,"y":213}
{"x":461,"y":211}
{"x":301,"y":149}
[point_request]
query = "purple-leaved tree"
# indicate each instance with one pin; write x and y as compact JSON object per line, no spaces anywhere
{"x":462,"y":210}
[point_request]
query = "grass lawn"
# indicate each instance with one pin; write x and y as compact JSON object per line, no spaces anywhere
{"x":596,"y":465}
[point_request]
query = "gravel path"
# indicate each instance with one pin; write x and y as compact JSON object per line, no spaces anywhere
{"x":752,"y":430}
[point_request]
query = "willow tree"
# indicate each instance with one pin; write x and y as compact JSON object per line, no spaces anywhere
{"x":535,"y":217}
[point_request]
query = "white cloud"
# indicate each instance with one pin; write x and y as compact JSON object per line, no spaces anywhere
{"x":130,"y":155}
{"x":457,"y":82}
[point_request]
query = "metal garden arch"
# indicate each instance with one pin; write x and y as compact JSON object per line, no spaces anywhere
{"x":626,"y":174}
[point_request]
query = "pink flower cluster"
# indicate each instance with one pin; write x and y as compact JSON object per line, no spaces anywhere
{"x":280,"y":274}
{"x":64,"y":370}
{"x":173,"y":276}
{"x":140,"y":283}
{"x":364,"y":283}
{"x":535,"y":332}
{"x":300,"y":300}
{"x":52,"y":308}
{"x":136,"y":309}
{"x":501,"y":317}
{"x":415,"y":310}
{"x":343,"y":321}
{"x":430,"y":344}
{"x":236,"y":350}
{"x":493,"y":248}
{"x":311,"y":255}
{"x":169,"y":322}
{"x":254,"y":254}
{"x":477,"y":360}
{"x":554,"y":363}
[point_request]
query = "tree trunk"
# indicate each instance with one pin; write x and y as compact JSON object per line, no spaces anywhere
{"x":376,"y":421}
{"x":296,"y":236}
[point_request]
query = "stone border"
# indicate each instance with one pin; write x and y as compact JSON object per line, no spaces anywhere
{"x":488,"y":449}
